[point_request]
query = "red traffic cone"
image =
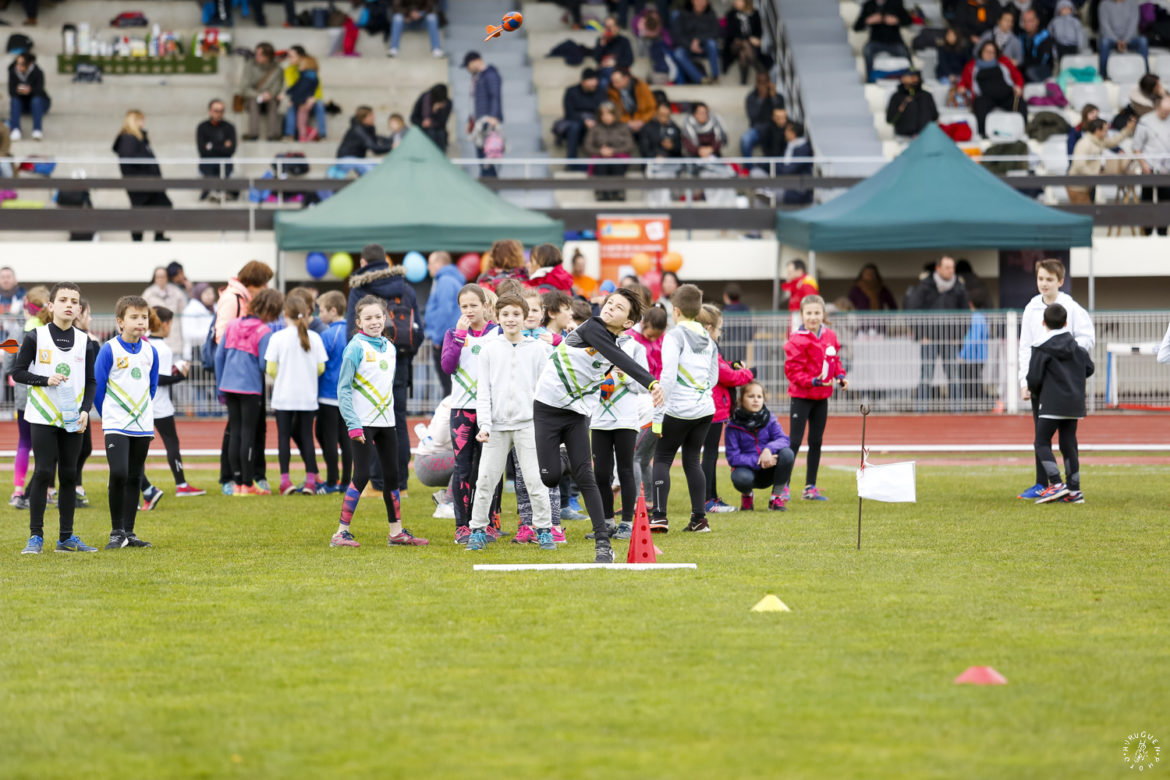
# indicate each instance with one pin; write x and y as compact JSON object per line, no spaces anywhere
{"x":980,"y":675}
{"x":642,"y":549}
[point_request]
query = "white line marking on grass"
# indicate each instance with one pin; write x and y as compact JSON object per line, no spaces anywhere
{"x":579,"y":566}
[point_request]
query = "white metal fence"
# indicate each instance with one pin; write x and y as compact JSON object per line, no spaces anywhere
{"x":898,"y":362}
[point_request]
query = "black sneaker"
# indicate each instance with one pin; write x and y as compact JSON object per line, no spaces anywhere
{"x":134,"y":541}
{"x":698,"y":525}
{"x":659,"y":525}
{"x":117,"y":541}
{"x":612,"y":527}
{"x":604,"y":552}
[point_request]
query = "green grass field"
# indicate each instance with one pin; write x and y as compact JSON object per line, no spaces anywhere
{"x":242,"y":645}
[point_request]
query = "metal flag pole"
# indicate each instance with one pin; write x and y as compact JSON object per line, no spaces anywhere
{"x":864,"y":414}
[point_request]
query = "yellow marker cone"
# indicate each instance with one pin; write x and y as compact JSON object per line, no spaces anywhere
{"x":770,"y":603}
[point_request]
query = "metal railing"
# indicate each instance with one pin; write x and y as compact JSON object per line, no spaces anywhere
{"x":898,"y":362}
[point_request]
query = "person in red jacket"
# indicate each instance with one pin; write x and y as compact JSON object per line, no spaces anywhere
{"x":995,"y":82}
{"x":729,"y":377}
{"x":797,"y":283}
{"x":812,"y":363}
{"x":546,"y":270}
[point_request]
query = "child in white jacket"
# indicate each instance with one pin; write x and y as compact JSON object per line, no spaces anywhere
{"x":509,"y":367}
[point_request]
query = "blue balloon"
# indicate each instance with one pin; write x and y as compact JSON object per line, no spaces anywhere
{"x":416,"y":267}
{"x":317,"y":264}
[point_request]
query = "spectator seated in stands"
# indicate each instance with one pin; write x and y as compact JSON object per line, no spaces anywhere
{"x":869,"y":292}
{"x":215,"y":140}
{"x":414,"y":13}
{"x":661,"y":137}
{"x":633,"y":97}
{"x":1089,"y":112}
{"x":26,"y":92}
{"x":696,"y":32}
{"x":580,"y":104}
{"x":396,"y":127}
{"x":1119,"y":31}
{"x":1039,"y":49}
{"x":702,"y":133}
{"x":1067,"y":31}
{"x":260,"y":85}
{"x":612,"y":50}
{"x":431,"y":112}
{"x":975,"y":17}
{"x":1004,"y":36}
{"x":1021,"y":7}
{"x":654,"y":40}
{"x":1089,"y":154}
{"x":911,"y":108}
{"x":776,"y":134}
{"x":797,"y":148}
{"x":1143,"y":96}
{"x":953,"y":55}
{"x":359,"y":140}
{"x":884,"y":19}
{"x":609,"y":139}
{"x":759,"y":105}
{"x":314,"y":101}
{"x":1151,"y":140}
{"x":995,"y":83}
{"x":742,"y":37}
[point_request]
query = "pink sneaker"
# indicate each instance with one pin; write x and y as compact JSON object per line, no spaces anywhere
{"x":287,"y":488}
{"x":778,"y":503}
{"x":187,"y":490}
{"x":343,"y":539}
{"x":747,"y":503}
{"x":785,"y":494}
{"x":493,"y":533}
{"x":524,"y":535}
{"x":406,"y":539}
{"x":558,"y":535}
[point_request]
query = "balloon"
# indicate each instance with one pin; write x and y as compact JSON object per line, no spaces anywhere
{"x":341,"y":264}
{"x":642,"y":263}
{"x":416,"y":267}
{"x":316,"y":264}
{"x":672,"y":261}
{"x":608,"y":286}
{"x":653,"y":280}
{"x":468,"y":265}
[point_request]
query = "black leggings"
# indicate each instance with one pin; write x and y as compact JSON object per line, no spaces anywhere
{"x":127,"y":458}
{"x":814,"y":413}
{"x":259,"y":465}
{"x":689,"y":435}
{"x":776,"y":477}
{"x":333,"y":436}
{"x":1067,"y":429}
{"x":86,"y":451}
{"x":243,"y":417}
{"x":56,"y":452}
{"x":298,"y":426}
{"x":170,"y":438}
{"x":556,"y":426}
{"x":711,"y":458}
{"x":384,"y":442}
{"x":609,"y":446}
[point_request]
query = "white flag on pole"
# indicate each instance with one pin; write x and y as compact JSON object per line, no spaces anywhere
{"x":893,"y":482}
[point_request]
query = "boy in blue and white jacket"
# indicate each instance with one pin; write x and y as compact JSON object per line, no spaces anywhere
{"x":331,"y":433}
{"x":690,"y":371}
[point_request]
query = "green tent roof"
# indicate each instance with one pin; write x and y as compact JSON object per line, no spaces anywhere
{"x":416,"y":199}
{"x":932,"y":197}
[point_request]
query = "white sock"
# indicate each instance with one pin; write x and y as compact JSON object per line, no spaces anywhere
{"x":342,"y":527}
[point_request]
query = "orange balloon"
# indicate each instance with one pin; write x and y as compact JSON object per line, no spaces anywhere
{"x":672,"y":261}
{"x":642,"y":263}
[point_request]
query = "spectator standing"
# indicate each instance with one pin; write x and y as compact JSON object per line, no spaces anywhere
{"x":633,"y":98}
{"x":953,"y":55}
{"x":315,"y":100}
{"x":137,"y":161}
{"x":975,"y":17}
{"x":487,"y":103}
{"x":940,"y":291}
{"x":869,"y":292}
{"x":1067,"y":30}
{"x":612,"y":50}
{"x":609,"y":139}
{"x":215,"y":139}
{"x":442,"y":310}
{"x":260,"y":85}
{"x":1004,"y":36}
{"x":431,"y":113}
{"x":580,"y":104}
{"x":197,"y":318}
{"x":11,"y":293}
{"x":742,"y":37}
{"x":911,"y":108}
{"x":796,"y":161}
{"x":414,"y":12}
{"x":995,"y":82}
{"x":1119,"y":31}
{"x":1039,"y":49}
{"x":737,"y":330}
{"x":759,"y":105}
{"x":163,"y":293}
{"x":1151,"y":140}
{"x":26,"y":93}
{"x":697,"y":32}
{"x":884,"y":19}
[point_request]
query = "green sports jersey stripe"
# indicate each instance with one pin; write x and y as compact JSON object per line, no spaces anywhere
{"x":568,"y":377}
{"x":133,"y":408}
{"x":381,"y":404}
{"x":39,"y":398}
{"x":607,"y":407}
{"x":469,"y":385}
{"x":690,"y":380}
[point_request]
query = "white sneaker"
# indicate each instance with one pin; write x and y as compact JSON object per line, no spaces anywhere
{"x":444,"y":512}
{"x":392,"y":52}
{"x":38,"y":135}
{"x":16,"y":136}
{"x":438,"y":54}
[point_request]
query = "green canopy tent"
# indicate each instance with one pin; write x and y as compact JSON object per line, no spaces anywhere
{"x":933,"y":196}
{"x":415,"y":200}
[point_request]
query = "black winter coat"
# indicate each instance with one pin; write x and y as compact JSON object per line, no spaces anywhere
{"x":653,"y":134}
{"x":883,"y":33}
{"x":691,"y":26}
{"x":385,"y":281}
{"x":35,"y":80}
{"x":617,"y":47}
{"x":1057,"y":373}
{"x":579,"y":104}
{"x":759,"y":109}
{"x":909,"y":112}
{"x":360,"y":139}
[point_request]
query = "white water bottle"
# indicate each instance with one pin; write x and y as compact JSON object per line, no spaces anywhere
{"x":424,"y":436}
{"x":67,"y":405}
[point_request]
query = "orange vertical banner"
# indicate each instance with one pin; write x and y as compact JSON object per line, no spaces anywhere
{"x":621,"y":236}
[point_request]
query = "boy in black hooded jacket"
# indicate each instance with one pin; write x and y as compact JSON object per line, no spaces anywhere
{"x":1056,"y":375}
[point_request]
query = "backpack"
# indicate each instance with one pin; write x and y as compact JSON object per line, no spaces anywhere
{"x":207,"y":354}
{"x":402,"y":330}
{"x":291,"y":167}
{"x":18,"y":43}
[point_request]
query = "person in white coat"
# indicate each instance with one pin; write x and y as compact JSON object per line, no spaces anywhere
{"x":1164,"y":349}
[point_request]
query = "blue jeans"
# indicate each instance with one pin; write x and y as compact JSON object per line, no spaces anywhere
{"x":398,"y":22}
{"x":574,"y":135}
{"x":290,"y":119}
{"x":37,"y":105}
{"x":1107,"y":45}
{"x":748,"y":142}
{"x":682,"y":58}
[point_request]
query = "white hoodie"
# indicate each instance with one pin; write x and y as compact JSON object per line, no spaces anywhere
{"x":1032,"y":329}
{"x":508,"y":374}
{"x":690,"y":370}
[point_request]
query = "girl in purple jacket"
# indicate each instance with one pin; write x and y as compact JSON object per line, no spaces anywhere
{"x":757,"y":450}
